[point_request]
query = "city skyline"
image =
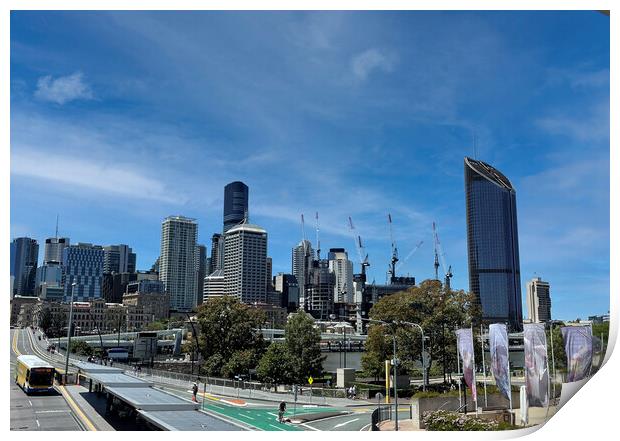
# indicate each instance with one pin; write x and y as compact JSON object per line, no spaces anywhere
{"x":362,"y":137}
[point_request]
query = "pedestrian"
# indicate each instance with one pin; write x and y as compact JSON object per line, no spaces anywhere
{"x":139,"y":370}
{"x":353,"y":391}
{"x":194,"y":392}
{"x":281,"y":410}
{"x":329,"y":383}
{"x":111,"y":362}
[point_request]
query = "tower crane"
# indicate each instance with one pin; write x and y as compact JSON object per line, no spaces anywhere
{"x":411,"y":253}
{"x":318,"y":242}
{"x":394,"y":259}
{"x":359,"y":247}
{"x":439,"y":253}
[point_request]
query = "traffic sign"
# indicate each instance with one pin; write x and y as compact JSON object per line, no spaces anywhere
{"x":310,"y":380}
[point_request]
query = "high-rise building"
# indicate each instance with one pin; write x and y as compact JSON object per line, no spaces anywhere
{"x":201,"y":271}
{"x":82,"y":263}
{"x":236,"y":196}
{"x":53,"y":249}
{"x":301,"y":263}
{"x":245,"y":249}
{"x":118,"y":259}
{"x":213,"y":285}
{"x":49,"y":273}
{"x":319,"y":296}
{"x":342,"y":268}
{"x":493,"y":244}
{"x":24,"y":259}
{"x":538,"y":301}
{"x":113,"y":285}
{"x":288,"y":286}
{"x":268,"y":274}
{"x":177,"y":264}
{"x":217,"y":245}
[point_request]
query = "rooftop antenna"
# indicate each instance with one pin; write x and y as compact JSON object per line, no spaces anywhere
{"x":436,"y":240}
{"x":57,"y":226}
{"x":318,"y":243}
{"x":394,"y":258}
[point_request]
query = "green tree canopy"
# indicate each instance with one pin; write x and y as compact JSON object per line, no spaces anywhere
{"x":228,"y":326}
{"x":275,"y":366}
{"x":303,"y":345}
{"x":436,"y":309}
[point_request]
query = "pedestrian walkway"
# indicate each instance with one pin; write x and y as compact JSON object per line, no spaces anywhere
{"x":90,"y":409}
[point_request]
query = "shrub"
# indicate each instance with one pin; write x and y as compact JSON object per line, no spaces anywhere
{"x":444,"y":420}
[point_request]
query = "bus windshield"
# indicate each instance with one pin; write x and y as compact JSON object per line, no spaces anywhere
{"x":41,"y":376}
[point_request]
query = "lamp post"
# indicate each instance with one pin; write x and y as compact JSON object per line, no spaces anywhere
{"x":422,"y":355}
{"x":195,"y":340}
{"x":69,"y":332}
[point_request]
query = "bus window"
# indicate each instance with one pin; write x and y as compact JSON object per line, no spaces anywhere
{"x":41,"y":377}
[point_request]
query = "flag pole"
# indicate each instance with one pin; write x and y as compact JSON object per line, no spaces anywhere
{"x":458,"y":362}
{"x":548,"y":383}
{"x":553,"y":363}
{"x":509,"y":375}
{"x":484,"y":369}
{"x":473,"y":359}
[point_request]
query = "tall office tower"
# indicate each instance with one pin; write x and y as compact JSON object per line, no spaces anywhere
{"x":50,"y":273}
{"x":118,"y":259}
{"x":342,"y":268}
{"x":213,"y":285}
{"x":83,"y":264}
{"x":245,"y":248}
{"x":538,"y":301}
{"x":493,"y":244}
{"x":53,"y":249}
{"x":268,"y":274}
{"x":288,"y":286}
{"x":24,"y":259}
{"x":320,"y":290}
{"x":236,"y":196}
{"x":177,"y":261}
{"x":301,"y":263}
{"x":113,"y":285}
{"x":217,"y":242}
{"x":155,"y":266}
{"x":201,"y":271}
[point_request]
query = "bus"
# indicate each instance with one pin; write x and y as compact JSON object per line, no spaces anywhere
{"x":33,"y":374}
{"x":118,"y":354}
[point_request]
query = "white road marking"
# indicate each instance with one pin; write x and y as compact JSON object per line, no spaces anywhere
{"x":309,"y":427}
{"x":276,"y":427}
{"x":246,"y":416}
{"x":30,"y":403}
{"x":346,"y":422}
{"x":364,"y":428}
{"x":52,"y":411}
{"x":38,"y":425}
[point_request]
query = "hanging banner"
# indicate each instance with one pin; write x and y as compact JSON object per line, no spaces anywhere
{"x":498,"y":346}
{"x":465,"y":345}
{"x":578,"y":347}
{"x":536,"y":364}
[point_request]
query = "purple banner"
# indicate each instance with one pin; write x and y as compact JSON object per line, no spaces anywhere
{"x":578,"y":347}
{"x":465,"y":345}
{"x":536,"y":364}
{"x":498,"y":346}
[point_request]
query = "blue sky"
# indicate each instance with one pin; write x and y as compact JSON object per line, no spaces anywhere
{"x":119,"y":119}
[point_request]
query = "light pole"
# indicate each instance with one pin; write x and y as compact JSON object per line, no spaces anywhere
{"x":69,"y":332}
{"x":423,"y":361}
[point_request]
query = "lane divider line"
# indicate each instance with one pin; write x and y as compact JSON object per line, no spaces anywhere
{"x":91,"y":427}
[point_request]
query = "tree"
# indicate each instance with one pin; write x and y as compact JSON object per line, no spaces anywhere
{"x":45,"y":320}
{"x":240,"y":363}
{"x":436,"y":309}
{"x":303,"y":346}
{"x":81,"y":348}
{"x":226,"y":327}
{"x":275,"y":366}
{"x":157,"y":326}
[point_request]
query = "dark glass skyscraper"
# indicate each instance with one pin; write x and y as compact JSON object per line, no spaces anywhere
{"x":236,"y":195}
{"x":493,"y":244}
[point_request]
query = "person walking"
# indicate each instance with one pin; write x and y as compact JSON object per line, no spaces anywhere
{"x":194,"y":392}
{"x":281,"y":411}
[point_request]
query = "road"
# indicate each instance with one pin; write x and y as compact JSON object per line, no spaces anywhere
{"x":253,"y":414}
{"x":36,"y":412}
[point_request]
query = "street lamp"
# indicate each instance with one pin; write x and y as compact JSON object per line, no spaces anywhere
{"x":69,"y":331}
{"x":422,"y":355}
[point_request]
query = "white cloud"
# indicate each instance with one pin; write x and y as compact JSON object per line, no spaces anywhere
{"x":63,"y":89}
{"x":365,"y":63}
{"x":591,"y":125}
{"x":81,"y":173}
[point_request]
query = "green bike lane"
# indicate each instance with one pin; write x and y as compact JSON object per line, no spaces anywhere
{"x":253,"y":415}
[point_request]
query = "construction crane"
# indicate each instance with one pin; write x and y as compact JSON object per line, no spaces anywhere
{"x":318,"y":242}
{"x":392,"y":270}
{"x":411,"y":253}
{"x":439,"y":254}
{"x":359,"y":247}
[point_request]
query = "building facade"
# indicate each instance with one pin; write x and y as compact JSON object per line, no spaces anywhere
{"x":201,"y":271}
{"x":82,"y":264}
{"x":301,"y":263}
{"x":288,"y":286}
{"x":217,"y":255}
{"x":177,"y":265}
{"x":50,"y":274}
{"x":342,"y":267}
{"x":23,"y":265}
{"x":319,"y":301}
{"x":236,"y":197}
{"x":214,"y":285}
{"x":54,"y":247}
{"x":245,"y":261}
{"x":493,"y":244}
{"x":538,"y":301}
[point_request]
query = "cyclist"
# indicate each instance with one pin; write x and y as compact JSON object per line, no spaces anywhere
{"x":281,"y":411}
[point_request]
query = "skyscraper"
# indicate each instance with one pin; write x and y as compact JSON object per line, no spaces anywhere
{"x":201,"y":271}
{"x":236,"y":196}
{"x":245,"y":263}
{"x":53,"y":249}
{"x":342,"y":267}
{"x":214,"y":285}
{"x":177,"y":264}
{"x":118,"y":259}
{"x":319,"y":296}
{"x":538,"y":301}
{"x":301,"y":263}
{"x":268,"y":274}
{"x":82,"y":263}
{"x":493,"y":243}
{"x":23,"y":265}
{"x":217,"y":243}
